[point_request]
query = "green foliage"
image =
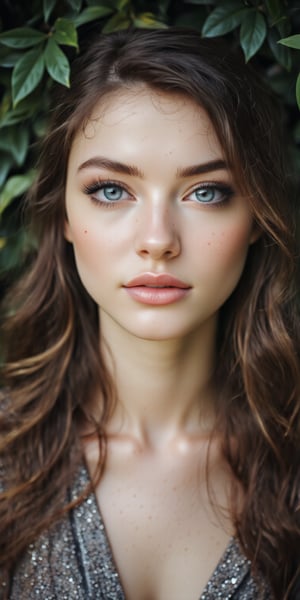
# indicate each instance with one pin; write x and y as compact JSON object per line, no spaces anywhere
{"x":15,"y":186}
{"x":25,"y":37}
{"x":27,"y":74}
{"x":91,"y":13}
{"x":293,"y":41}
{"x":39,"y":39}
{"x":57,"y":63}
{"x":224,"y":18}
{"x":253,"y":33}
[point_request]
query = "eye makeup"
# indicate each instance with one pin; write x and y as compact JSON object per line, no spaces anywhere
{"x":109,"y":193}
{"x":113,"y":193}
{"x":210,"y":193}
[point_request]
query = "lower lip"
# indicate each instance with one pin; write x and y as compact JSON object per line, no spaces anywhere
{"x":157,"y":296}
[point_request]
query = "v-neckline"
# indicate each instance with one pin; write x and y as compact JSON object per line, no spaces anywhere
{"x":227,"y":576}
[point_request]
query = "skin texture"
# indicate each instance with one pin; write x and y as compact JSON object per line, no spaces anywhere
{"x":157,"y":229}
{"x":161,"y":356}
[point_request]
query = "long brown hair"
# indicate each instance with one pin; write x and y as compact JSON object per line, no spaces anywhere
{"x":52,"y":361}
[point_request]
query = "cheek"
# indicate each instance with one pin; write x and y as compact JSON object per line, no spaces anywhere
{"x":234,"y":243}
{"x":223,"y":252}
{"x":92,"y":251}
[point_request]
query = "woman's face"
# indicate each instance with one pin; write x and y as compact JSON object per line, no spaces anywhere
{"x":159,"y":230}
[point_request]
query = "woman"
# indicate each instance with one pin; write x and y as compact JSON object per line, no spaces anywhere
{"x":151,"y":414}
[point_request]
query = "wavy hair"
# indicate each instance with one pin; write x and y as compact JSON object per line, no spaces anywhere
{"x":52,"y":359}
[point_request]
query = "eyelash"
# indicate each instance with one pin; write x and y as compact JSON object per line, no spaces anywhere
{"x":225,"y":190}
{"x":100,"y":185}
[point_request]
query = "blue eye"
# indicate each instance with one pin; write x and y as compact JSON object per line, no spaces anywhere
{"x":205,"y":195}
{"x":112,"y":192}
{"x":106,"y":193}
{"x":211,"y":194}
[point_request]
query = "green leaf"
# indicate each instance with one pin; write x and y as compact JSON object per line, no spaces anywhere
{"x":57,"y":63}
{"x":5,"y":165}
{"x":65,"y":33}
{"x":9,"y":60}
{"x":118,"y":21}
{"x":15,"y":140}
{"x":121,"y":4}
{"x":298,"y":91}
{"x":25,"y":109}
{"x":281,"y":53}
{"x":14,"y":187}
{"x":5,"y":105}
{"x":292,"y":42}
{"x":253,"y":33}
{"x":40,"y":126}
{"x":18,"y":244}
{"x":223,"y":19}
{"x":148,"y":20}
{"x":91,"y":14}
{"x":48,"y":6}
{"x":27,"y":74}
{"x":75,"y":4}
{"x":22,"y":37}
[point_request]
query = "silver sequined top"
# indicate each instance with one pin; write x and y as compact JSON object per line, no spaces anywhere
{"x":73,"y":561}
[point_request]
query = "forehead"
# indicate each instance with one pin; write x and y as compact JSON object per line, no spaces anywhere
{"x":141,"y":119}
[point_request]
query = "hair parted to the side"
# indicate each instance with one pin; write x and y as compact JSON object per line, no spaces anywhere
{"x":53,"y":363}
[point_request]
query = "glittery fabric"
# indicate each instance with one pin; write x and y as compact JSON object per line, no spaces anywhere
{"x":73,"y":561}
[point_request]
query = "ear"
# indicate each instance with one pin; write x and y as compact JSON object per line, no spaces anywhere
{"x":67,"y":231}
{"x":255,"y":233}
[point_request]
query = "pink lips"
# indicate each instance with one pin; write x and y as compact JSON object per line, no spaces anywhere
{"x":156,"y":289}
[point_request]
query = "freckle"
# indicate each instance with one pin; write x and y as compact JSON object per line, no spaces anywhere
{"x":85,"y":231}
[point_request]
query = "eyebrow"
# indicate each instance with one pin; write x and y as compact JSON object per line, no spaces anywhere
{"x":118,"y":167}
{"x":208,"y":167}
{"x":112,"y":165}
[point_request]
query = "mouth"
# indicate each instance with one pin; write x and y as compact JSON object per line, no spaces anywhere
{"x":157,"y":289}
{"x":157,"y":281}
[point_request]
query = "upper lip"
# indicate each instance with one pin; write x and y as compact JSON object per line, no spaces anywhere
{"x":157,"y":280}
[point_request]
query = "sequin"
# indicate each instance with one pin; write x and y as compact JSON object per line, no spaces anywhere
{"x":73,"y":561}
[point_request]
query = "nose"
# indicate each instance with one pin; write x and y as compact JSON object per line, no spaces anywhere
{"x":157,"y":235}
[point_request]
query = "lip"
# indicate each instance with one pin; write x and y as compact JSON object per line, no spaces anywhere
{"x":156,"y":289}
{"x":157,"y":280}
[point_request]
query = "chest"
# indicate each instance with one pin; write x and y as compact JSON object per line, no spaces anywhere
{"x":165,"y":536}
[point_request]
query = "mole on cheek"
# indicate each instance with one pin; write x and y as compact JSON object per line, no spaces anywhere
{"x":85,"y":231}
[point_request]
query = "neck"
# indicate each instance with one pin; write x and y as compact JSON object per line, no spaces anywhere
{"x":164,"y":388}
